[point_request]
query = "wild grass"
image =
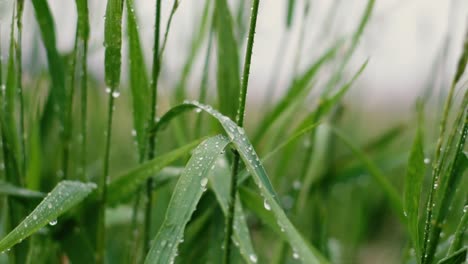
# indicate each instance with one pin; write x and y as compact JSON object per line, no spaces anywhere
{"x":204,"y":181}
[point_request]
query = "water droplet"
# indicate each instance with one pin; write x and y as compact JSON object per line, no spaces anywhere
{"x":198,"y":110}
{"x":266,"y":205}
{"x":297,"y":185}
{"x":427,"y":161}
{"x":134,"y":132}
{"x":465,"y":209}
{"x":253,"y":258}
{"x":295,"y":255}
{"x":49,"y":206}
{"x":108,"y":90}
{"x":35,"y":217}
{"x":204,"y":182}
{"x":116,"y":94}
{"x":436,"y":185}
{"x":53,"y":222}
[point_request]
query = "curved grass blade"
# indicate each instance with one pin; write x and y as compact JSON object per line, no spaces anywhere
{"x":458,"y":257}
{"x":63,"y":197}
{"x":228,"y":77}
{"x":187,"y":193}
{"x":221,"y":187}
{"x":256,"y":169}
{"x":413,"y":186}
{"x":139,"y":84}
{"x":128,"y":183}
{"x":390,"y":192}
{"x":14,"y":191}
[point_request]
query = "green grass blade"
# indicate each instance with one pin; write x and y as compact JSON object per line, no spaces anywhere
{"x":300,"y":88}
{"x":47,"y":27}
{"x":63,"y":197}
{"x":458,"y":257}
{"x":199,"y":35}
{"x":112,"y":64}
{"x":290,"y":13}
{"x":389,"y":191}
{"x":256,"y":169}
{"x":220,"y":186}
{"x":12,"y":190}
{"x":228,"y":77}
{"x":413,"y":188}
{"x":113,"y":42}
{"x":186,"y":195}
{"x":139,"y":84}
{"x":283,"y":229}
{"x":458,"y":237}
{"x":128,"y":183}
{"x":8,"y":114}
{"x":327,"y":103}
{"x":449,"y":180}
{"x":83,"y":38}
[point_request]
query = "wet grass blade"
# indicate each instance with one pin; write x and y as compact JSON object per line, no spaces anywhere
{"x":125,"y":185}
{"x":220,"y":186}
{"x":139,"y":84}
{"x":63,"y":197}
{"x":228,"y":77}
{"x":259,"y":175}
{"x":112,"y":64}
{"x":458,"y":257}
{"x":413,"y":187}
{"x":186,"y":195}
{"x":458,"y":237}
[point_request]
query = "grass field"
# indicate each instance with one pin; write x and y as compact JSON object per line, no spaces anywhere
{"x":121,"y":172}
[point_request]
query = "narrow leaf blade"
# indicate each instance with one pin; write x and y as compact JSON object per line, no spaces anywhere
{"x":63,"y":197}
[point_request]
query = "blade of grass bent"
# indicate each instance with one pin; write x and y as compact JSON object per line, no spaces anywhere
{"x":187,"y":193}
{"x":256,"y":169}
{"x":63,"y":197}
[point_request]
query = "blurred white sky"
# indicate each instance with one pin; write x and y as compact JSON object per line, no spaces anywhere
{"x":402,"y":40}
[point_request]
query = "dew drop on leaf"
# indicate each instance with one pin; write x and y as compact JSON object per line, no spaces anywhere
{"x":253,"y":258}
{"x":53,"y":222}
{"x":266,"y":205}
{"x":204,"y":182}
{"x":427,"y":161}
